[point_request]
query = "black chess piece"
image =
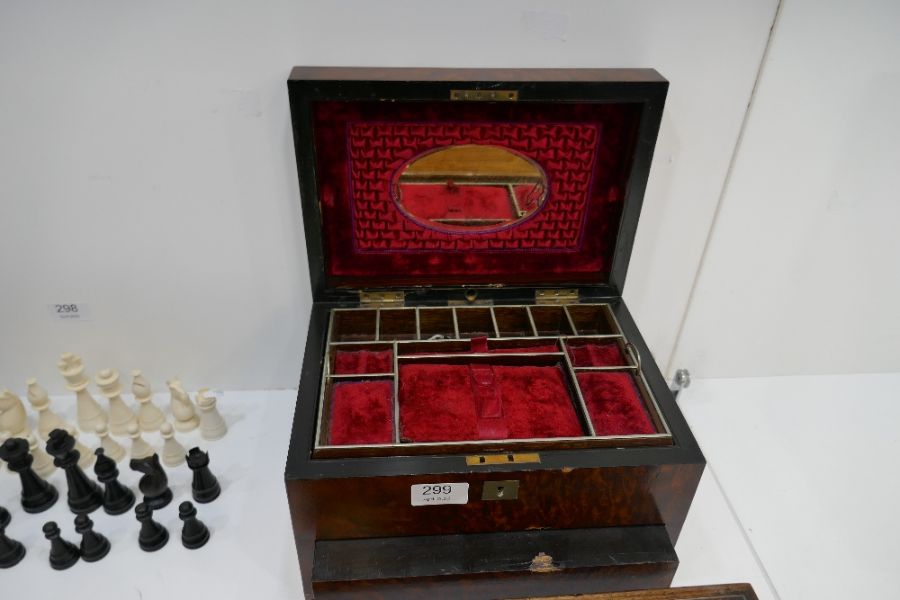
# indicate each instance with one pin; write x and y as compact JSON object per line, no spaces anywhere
{"x":204,"y":487}
{"x":94,"y":546}
{"x":37,"y":494}
{"x":63,"y":554}
{"x":153,"y":536}
{"x":194,"y":534}
{"x":117,"y":498}
{"x":154,"y":484}
{"x":11,"y":551}
{"x":84,"y":495}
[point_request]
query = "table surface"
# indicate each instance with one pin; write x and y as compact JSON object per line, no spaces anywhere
{"x":251,"y":551}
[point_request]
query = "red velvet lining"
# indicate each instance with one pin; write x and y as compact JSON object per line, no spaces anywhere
{"x":444,"y":201}
{"x":614,"y":403}
{"x":362,"y":413}
{"x":439,"y":403}
{"x":597,"y":354}
{"x":584,"y":149}
{"x":347,"y":362}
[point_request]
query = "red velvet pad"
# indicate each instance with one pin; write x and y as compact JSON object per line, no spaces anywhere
{"x":597,"y":354}
{"x":438,"y":403}
{"x":348,"y":362}
{"x":614,"y":404}
{"x":362,"y":413}
{"x":442,"y":201}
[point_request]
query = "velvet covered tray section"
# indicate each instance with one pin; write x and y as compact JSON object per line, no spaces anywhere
{"x":417,"y":380}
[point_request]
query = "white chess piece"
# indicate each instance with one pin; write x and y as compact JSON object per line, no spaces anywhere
{"x":139,"y":447}
{"x":120,"y":416}
{"x":90,"y":414}
{"x":85,"y":456}
{"x":40,"y":401}
{"x":149,"y":415}
{"x":13,"y":419}
{"x":182,"y":408}
{"x":43,"y":462}
{"x":173,"y":452}
{"x":212,"y":425}
{"x":111,"y":447}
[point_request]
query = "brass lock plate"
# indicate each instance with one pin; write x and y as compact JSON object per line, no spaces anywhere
{"x":500,"y":490}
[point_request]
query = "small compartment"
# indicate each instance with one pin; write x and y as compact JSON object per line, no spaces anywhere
{"x":513,"y":321}
{"x":592,"y":319}
{"x":436,"y":324}
{"x":360,"y":359}
{"x":475,"y":322}
{"x":596,"y":352}
{"x":353,"y":325}
{"x":551,"y":320}
{"x":397,"y":324}
{"x":529,"y":346}
{"x":614,"y":403}
{"x":360,"y":412}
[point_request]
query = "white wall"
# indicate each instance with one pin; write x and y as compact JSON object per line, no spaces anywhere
{"x":802,"y":275}
{"x":146,"y":163}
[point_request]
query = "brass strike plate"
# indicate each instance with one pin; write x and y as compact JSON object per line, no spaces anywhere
{"x":503,"y":459}
{"x":485,"y":95}
{"x":500,"y":490}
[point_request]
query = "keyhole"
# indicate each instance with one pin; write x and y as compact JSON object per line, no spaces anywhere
{"x":500,"y":492}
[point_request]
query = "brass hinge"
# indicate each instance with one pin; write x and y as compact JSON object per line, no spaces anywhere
{"x":379,"y":299}
{"x":485,"y":95}
{"x":568,"y":296}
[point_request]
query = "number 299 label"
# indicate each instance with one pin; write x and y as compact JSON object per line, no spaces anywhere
{"x":428,"y":494}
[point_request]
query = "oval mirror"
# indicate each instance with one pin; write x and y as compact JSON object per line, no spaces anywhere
{"x":470,"y":188}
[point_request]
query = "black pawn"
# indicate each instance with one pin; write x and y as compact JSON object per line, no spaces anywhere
{"x":11,"y":551}
{"x":37,"y":494}
{"x":153,"y":536}
{"x":204,"y":487}
{"x":194,"y":534}
{"x":63,"y":554}
{"x":84,"y":495}
{"x":117,"y":498}
{"x":154,"y":484}
{"x":94,"y":546}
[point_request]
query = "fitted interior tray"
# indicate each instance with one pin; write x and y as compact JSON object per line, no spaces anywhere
{"x":416,"y":380}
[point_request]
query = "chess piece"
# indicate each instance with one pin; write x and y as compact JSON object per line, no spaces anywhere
{"x":111,"y":447}
{"x":154,"y":485}
{"x":120,"y":416}
{"x":204,"y":486}
{"x":194,"y":534}
{"x":43,"y":462}
{"x":63,"y":554}
{"x":90,"y":413}
{"x":94,"y":546}
{"x":13,"y":419}
{"x":153,"y":536}
{"x":173,"y":452}
{"x":139,"y":447}
{"x":84,"y":495}
{"x":85,"y":456}
{"x":212,"y":425}
{"x":37,"y":494}
{"x":11,"y":551}
{"x":117,"y":498}
{"x":182,"y":408}
{"x":40,"y":401}
{"x":149,"y":415}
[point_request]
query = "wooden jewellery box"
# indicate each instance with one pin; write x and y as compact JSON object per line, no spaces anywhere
{"x":478,"y":414}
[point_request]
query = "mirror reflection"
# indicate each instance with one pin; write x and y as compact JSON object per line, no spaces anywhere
{"x":470,"y":188}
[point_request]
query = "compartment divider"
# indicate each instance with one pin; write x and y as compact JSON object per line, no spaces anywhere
{"x":396,"y":392}
{"x":455,"y":324}
{"x":377,"y":324}
{"x":586,"y":416}
{"x":418,"y":326}
{"x":534,"y":328}
{"x":494,"y":317}
{"x":570,"y":320}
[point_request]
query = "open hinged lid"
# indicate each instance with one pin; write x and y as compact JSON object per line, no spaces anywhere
{"x":445,"y":177}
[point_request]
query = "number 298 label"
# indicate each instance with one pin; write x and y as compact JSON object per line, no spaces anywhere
{"x":428,"y":494}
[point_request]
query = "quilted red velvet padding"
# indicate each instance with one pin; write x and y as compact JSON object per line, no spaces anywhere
{"x":614,"y":404}
{"x":347,"y":362}
{"x":596,"y":354}
{"x":362,"y":413}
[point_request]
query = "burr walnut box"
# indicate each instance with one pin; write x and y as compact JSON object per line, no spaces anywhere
{"x":478,"y":415}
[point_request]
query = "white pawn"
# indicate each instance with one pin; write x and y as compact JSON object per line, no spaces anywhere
{"x":90,"y":414}
{"x":120,"y":416}
{"x":182,"y":408}
{"x":139,"y":448}
{"x":43,"y":462}
{"x":212,"y":425}
{"x":85,"y":456}
{"x":173,"y":452}
{"x":13,"y":419}
{"x":149,"y":415}
{"x":111,"y":447}
{"x":47,"y":419}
